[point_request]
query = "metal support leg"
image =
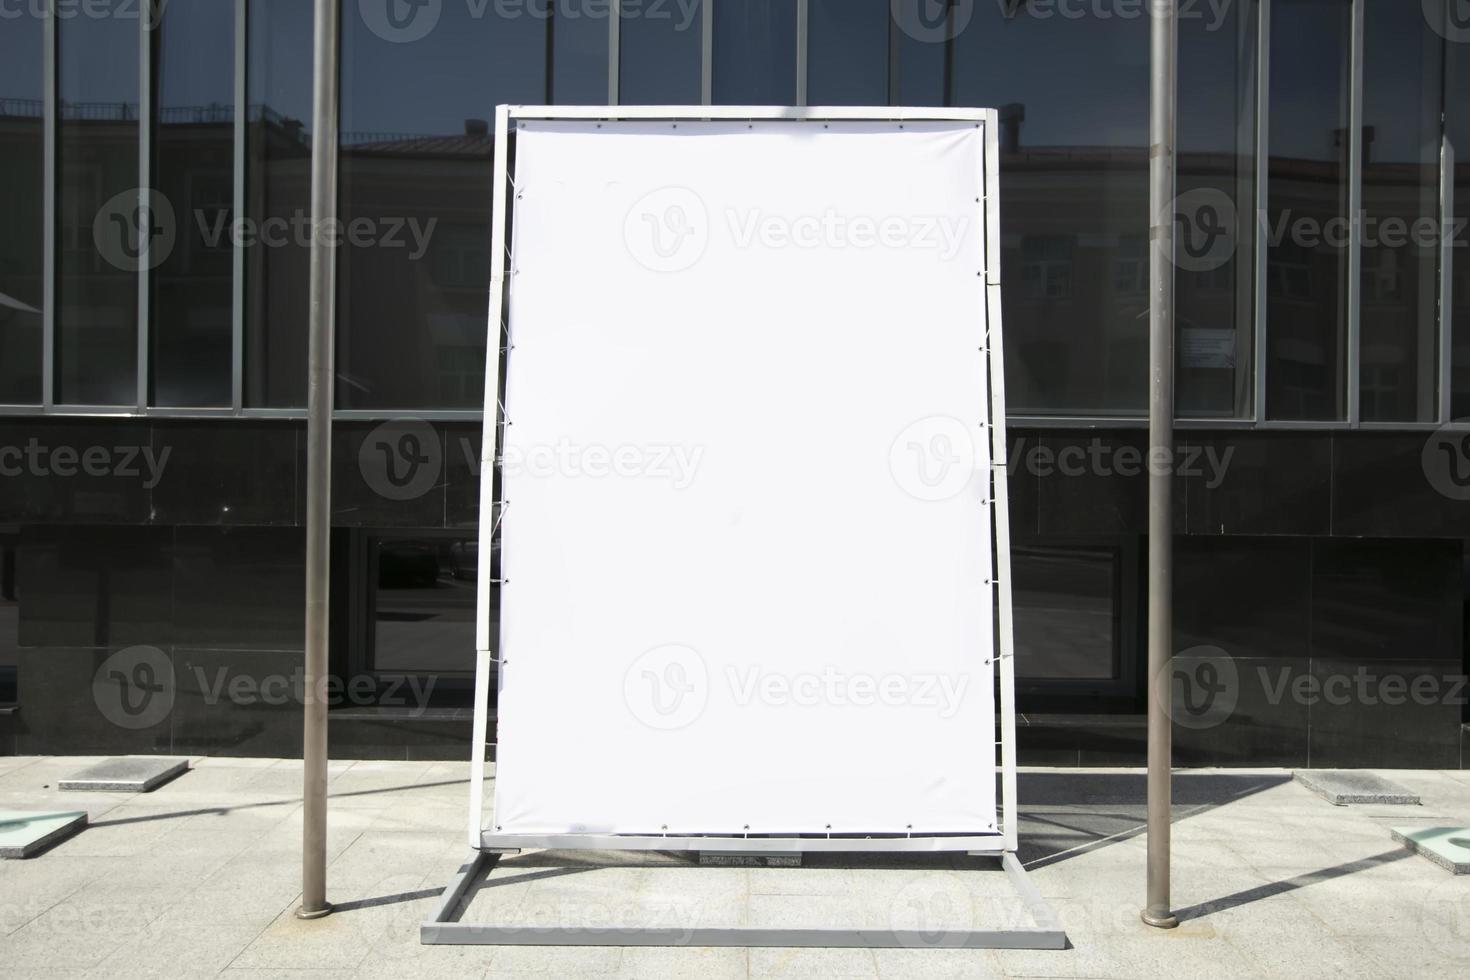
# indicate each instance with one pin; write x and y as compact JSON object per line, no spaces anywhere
{"x":445,"y":929}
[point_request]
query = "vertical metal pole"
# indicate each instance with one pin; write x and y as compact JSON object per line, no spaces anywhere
{"x":1160,"y":453}
{"x":146,"y":24}
{"x":1354,"y":319}
{"x":50,"y":120}
{"x":1446,"y":278}
{"x":237,"y":210}
{"x":318,"y":459}
{"x":801,"y":42}
{"x":1262,"y":202}
{"x":614,"y":56}
{"x":707,"y":53}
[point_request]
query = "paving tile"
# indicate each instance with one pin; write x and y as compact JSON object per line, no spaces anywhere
{"x":556,"y":961}
{"x":813,"y":962}
{"x":202,"y":877}
{"x":177,"y":951}
{"x":333,"y":942}
{"x":701,"y":963}
{"x":1309,"y":956}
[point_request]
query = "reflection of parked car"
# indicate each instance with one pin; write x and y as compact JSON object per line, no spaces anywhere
{"x":405,"y":564}
{"x":464,"y":559}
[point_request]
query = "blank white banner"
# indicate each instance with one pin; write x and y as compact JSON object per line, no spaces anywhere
{"x":746,"y":544}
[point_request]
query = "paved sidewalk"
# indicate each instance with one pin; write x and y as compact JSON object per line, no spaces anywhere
{"x":200,"y":877}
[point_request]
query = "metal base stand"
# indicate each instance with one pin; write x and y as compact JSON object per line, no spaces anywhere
{"x":1165,"y":921}
{"x":444,"y":928}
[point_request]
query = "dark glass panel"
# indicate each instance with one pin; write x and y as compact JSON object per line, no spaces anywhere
{"x":755,"y":52}
{"x":423,"y":605}
{"x":847,"y":52}
{"x":22,"y":159}
{"x":104,"y":233}
{"x":1457,"y":131}
{"x":920,"y":54}
{"x":95,"y":585}
{"x":1073,"y":99}
{"x":192,"y":331}
{"x":1215,"y":244}
{"x":9,"y":613}
{"x":416,"y":156}
{"x":239,"y":588}
{"x":660,"y":50}
{"x":579,"y":50}
{"x":1066,"y":616}
{"x":277,"y":201}
{"x":1306,"y":214}
{"x":1403,"y":90}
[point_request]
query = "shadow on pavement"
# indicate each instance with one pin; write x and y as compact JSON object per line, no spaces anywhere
{"x":1064,"y":814}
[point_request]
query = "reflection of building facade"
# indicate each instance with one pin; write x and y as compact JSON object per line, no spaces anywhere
{"x":423,"y":314}
{"x":1322,"y":530}
{"x":21,"y":163}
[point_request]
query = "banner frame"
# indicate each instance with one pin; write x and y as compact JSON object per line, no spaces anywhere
{"x":1004,"y":839}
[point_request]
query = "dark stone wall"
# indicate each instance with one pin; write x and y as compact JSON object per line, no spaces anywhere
{"x":166,"y":556}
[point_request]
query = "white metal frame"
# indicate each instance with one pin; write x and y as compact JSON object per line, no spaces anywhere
{"x":1001,"y":843}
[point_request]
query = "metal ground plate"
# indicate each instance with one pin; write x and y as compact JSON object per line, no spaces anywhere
{"x":126,"y":774}
{"x":1342,"y":787}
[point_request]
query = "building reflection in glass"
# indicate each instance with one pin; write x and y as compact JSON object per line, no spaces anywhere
{"x":22,"y":158}
{"x":416,"y":153}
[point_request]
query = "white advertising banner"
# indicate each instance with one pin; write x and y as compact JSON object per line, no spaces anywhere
{"x":746,"y":546}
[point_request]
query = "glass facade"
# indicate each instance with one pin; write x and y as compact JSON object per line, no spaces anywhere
{"x":1403,"y":90}
{"x":414,"y":197}
{"x":22,"y":233}
{"x":1457,"y":161}
{"x":181,"y":163}
{"x":1299,"y":306}
{"x":1073,"y":96}
{"x":192,"y":300}
{"x":1307,"y":212}
{"x":9,"y":613}
{"x":754,"y":53}
{"x":105,"y":227}
{"x":277,"y":202}
{"x":1215,"y":281}
{"x":423,"y":605}
{"x":660,"y":53}
{"x":847,"y":52}
{"x":1066,"y":602}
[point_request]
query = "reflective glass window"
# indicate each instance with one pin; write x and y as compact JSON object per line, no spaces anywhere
{"x":192,"y":329}
{"x":105,"y":231}
{"x":1307,"y":227}
{"x":22,"y":233}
